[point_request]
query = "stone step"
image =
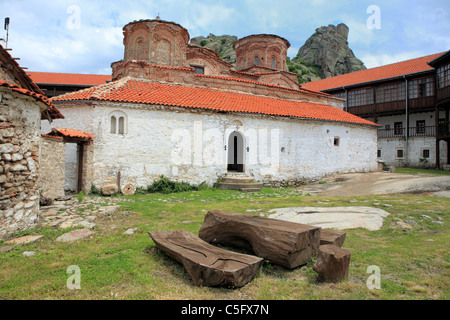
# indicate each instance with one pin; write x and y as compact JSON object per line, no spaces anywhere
{"x":243,"y":179}
{"x":250,"y":189}
{"x":238,"y":186}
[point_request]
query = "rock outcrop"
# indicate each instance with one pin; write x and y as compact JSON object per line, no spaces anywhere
{"x":327,"y":52}
{"x":222,"y":45}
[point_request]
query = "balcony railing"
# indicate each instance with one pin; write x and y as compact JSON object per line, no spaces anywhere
{"x":429,"y":131}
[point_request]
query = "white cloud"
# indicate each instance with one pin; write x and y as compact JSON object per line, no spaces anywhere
{"x":40,"y":37}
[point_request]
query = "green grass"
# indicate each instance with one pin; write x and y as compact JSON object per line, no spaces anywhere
{"x":118,"y":266}
{"x":422,"y":171}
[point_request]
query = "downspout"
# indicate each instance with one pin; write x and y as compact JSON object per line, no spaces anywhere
{"x":407,"y":119}
{"x":346,"y":99}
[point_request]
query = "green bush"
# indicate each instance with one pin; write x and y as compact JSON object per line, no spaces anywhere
{"x":203,"y":43}
{"x":80,"y":196}
{"x":165,"y":185}
{"x":95,"y":191}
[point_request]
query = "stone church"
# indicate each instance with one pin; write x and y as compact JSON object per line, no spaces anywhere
{"x":178,"y":110}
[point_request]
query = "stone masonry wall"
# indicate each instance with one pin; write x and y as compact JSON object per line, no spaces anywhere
{"x":189,"y":145}
{"x":51,"y":175}
{"x":20,"y":118}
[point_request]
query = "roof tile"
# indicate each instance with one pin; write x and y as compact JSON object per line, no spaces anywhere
{"x":142,"y":91}
{"x":54,"y":112}
{"x":374,"y":74}
{"x":70,"y":133}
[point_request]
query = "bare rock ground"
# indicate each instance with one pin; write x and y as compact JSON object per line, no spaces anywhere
{"x":359,"y":184}
{"x":374,"y":183}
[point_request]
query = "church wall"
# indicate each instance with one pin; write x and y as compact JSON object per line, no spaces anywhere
{"x":189,"y":145}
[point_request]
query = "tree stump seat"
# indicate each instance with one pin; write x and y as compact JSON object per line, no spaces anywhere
{"x":206,"y":264}
{"x":332,"y":263}
{"x":285,"y":243}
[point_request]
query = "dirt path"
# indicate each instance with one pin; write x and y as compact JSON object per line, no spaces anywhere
{"x":356,"y":184}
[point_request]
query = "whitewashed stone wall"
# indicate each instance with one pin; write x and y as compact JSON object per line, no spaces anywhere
{"x":20,"y":118}
{"x":190,"y":145}
{"x":51,"y":173}
{"x":413,"y":150}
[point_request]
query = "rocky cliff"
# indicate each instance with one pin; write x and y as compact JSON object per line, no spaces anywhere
{"x":222,"y":45}
{"x":328,"y":53}
{"x":325,"y":54}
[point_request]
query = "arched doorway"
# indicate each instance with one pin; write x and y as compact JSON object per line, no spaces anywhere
{"x":236,"y":152}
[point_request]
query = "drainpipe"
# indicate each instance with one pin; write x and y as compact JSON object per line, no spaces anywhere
{"x":407,"y":119}
{"x":346,"y":99}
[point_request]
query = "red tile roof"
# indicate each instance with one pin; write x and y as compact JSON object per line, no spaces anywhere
{"x":53,"y":111}
{"x":70,"y":133}
{"x":142,"y":91}
{"x":384,"y":72}
{"x":69,"y":78}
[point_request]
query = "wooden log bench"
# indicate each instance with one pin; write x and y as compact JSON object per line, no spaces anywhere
{"x":285,"y":243}
{"x":206,"y":264}
{"x":332,"y":237}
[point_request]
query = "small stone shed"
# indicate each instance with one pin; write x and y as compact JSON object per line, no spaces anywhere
{"x":22,"y":107}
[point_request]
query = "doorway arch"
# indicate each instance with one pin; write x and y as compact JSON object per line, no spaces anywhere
{"x":236,"y":152}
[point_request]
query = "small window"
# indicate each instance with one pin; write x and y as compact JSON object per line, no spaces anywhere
{"x":121,"y":125}
{"x":422,"y":88}
{"x":273,"y":63}
{"x":118,"y":122}
{"x":379,"y":153}
{"x":199,"y":69}
{"x":336,"y":141}
{"x":256,"y":61}
{"x":420,"y":126}
{"x":398,"y":128}
{"x":400,"y":154}
{"x":113,"y":125}
{"x":426,"y":153}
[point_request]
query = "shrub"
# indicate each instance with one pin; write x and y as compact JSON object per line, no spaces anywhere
{"x":165,"y":185}
{"x":80,"y":196}
{"x":95,"y":191}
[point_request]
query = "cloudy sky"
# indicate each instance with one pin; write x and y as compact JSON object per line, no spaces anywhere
{"x":85,"y":36}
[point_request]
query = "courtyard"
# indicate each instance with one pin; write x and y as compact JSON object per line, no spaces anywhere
{"x":118,"y":260}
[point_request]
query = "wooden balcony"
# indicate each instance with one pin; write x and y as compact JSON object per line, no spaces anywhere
{"x":444,"y":129}
{"x":429,"y":131}
{"x":443,"y":93}
{"x":394,"y":107}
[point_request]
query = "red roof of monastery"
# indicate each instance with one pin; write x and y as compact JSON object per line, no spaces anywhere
{"x":53,"y":111}
{"x":69,"y":78}
{"x":374,"y":74}
{"x":70,"y":133}
{"x":132,"y":90}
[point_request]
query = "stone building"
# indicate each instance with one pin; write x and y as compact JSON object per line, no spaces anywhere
{"x":22,"y":107}
{"x":410,"y":102}
{"x":178,"y":110}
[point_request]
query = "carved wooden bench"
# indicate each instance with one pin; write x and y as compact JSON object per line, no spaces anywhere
{"x":207,"y":265}
{"x":288,"y":244}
